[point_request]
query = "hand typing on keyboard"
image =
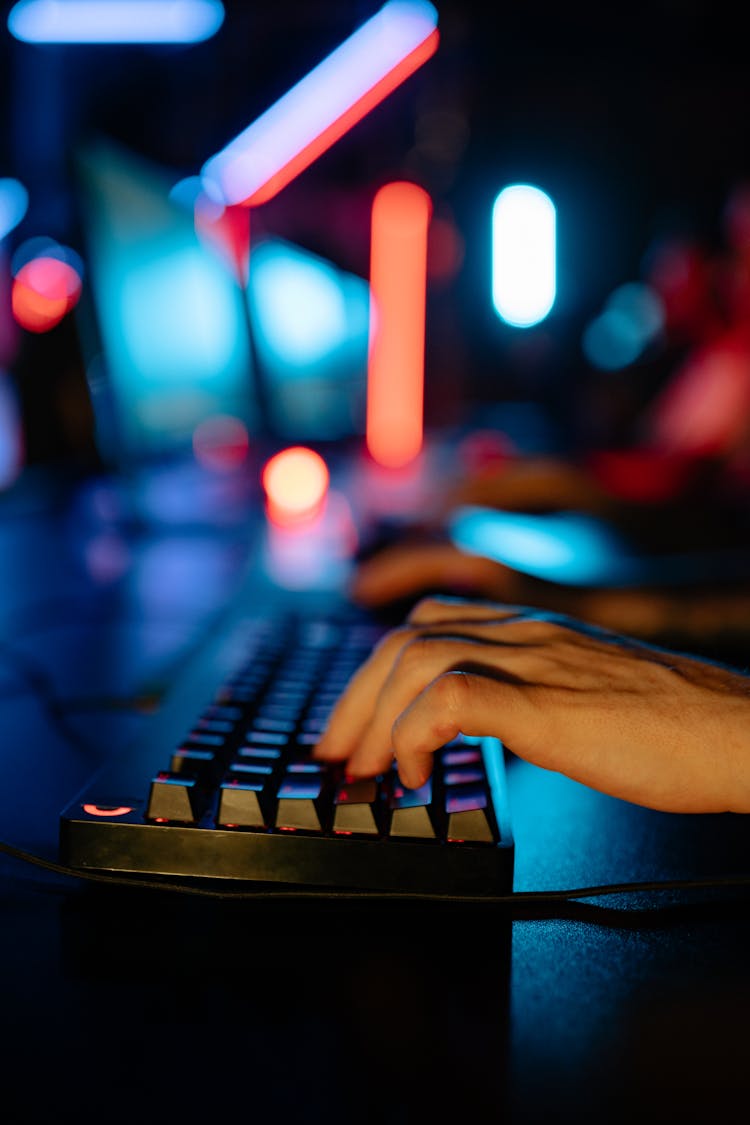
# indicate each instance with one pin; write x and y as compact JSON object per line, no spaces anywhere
{"x":645,"y":724}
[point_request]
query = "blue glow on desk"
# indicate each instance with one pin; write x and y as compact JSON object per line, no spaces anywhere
{"x":565,"y":547}
{"x":115,"y":21}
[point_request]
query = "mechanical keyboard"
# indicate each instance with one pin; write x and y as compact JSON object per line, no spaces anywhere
{"x":225,"y":786}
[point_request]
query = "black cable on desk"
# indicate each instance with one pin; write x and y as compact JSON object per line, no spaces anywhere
{"x":292,"y":894}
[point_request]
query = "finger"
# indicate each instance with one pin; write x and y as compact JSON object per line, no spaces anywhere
{"x":452,"y":609}
{"x":399,"y":666}
{"x":351,"y":715}
{"x":419,"y":662}
{"x":459,"y":702}
{"x":506,"y":624}
{"x":531,"y":484}
{"x":401,"y":571}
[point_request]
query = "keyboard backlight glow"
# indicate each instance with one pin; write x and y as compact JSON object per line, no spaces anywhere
{"x":523,"y":255}
{"x":325,"y":104}
{"x":107,"y":810}
{"x":395,"y":376}
{"x":115,"y":21}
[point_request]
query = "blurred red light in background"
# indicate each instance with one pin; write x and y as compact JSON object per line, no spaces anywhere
{"x":228,"y":229}
{"x":704,"y":409}
{"x":221,"y":443}
{"x":401,"y":215}
{"x":682,"y":276}
{"x":44,"y":290}
{"x":642,"y":476}
{"x":295,"y":482}
{"x":483,"y":452}
{"x":445,"y":249}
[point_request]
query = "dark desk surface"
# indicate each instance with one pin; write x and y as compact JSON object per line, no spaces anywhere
{"x":131,"y":1005}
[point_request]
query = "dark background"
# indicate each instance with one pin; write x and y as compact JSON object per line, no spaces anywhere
{"x":633,"y":117}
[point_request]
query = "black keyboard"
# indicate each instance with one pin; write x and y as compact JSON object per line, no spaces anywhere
{"x":225,"y":786}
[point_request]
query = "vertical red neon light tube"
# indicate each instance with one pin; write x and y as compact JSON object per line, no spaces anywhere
{"x":401,"y":215}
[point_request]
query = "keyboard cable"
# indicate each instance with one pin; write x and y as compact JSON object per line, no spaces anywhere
{"x":40,"y":685}
{"x":517,"y":898}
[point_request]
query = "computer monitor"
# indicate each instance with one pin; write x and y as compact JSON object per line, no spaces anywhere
{"x":172,"y":338}
{"x":164,"y":324}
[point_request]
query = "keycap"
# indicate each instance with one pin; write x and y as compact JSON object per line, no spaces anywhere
{"x":266,"y":738}
{"x":356,"y":807}
{"x":280,"y":726}
{"x":409,"y":811}
{"x":461,"y":756}
{"x":301,"y":801}
{"x":202,"y":739}
{"x":215,"y":711}
{"x":259,"y":753}
{"x":245,"y":804}
{"x":468,"y":817}
{"x":188,"y":761}
{"x":463,"y":774}
{"x":172,"y":797}
{"x":215,"y":726}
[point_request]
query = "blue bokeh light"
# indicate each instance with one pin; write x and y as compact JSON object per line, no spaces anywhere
{"x":115,"y":21}
{"x":14,"y":201}
{"x":566,"y":547}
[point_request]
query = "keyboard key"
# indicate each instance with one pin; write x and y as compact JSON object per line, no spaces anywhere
{"x":176,"y":798}
{"x":410,"y":811}
{"x":191,"y":762}
{"x":247,"y":770}
{"x":301,"y":802}
{"x":460,"y":757}
{"x":244,"y":804}
{"x":236,"y":695}
{"x":201,"y":739}
{"x":467,"y":808}
{"x":216,"y":711}
{"x":259,"y":753}
{"x":307,"y":738}
{"x":215,"y":726}
{"x":356,"y":807}
{"x":285,"y":711}
{"x":266,"y":738}
{"x":279,"y":726}
{"x":252,"y":771}
{"x":463,"y":775}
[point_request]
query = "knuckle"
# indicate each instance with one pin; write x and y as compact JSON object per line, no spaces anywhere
{"x":451,"y":690}
{"x":393,"y":641}
{"x":428,"y":608}
{"x":413,"y":653}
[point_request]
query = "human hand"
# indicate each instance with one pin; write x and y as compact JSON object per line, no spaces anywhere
{"x":530,"y":484}
{"x":405,"y":570}
{"x":644,"y":724}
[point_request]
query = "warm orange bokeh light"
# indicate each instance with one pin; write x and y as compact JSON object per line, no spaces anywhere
{"x":44,"y":291}
{"x":295,"y":482}
{"x":395,"y":376}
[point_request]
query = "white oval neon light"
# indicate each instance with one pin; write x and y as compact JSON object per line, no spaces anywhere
{"x":524,"y":255}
